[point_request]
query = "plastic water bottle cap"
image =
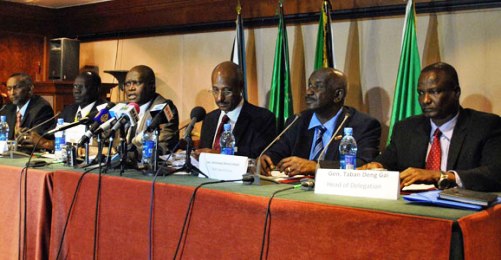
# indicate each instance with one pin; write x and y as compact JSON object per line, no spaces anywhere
{"x":227,"y":127}
{"x":60,"y":121}
{"x":348,"y":131}
{"x":3,"y":118}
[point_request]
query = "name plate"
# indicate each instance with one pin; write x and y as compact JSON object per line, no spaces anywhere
{"x":223,"y":167}
{"x":356,"y":183}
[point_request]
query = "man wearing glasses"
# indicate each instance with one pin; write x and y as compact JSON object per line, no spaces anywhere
{"x":299,"y":149}
{"x":26,"y":110}
{"x":447,"y":145}
{"x":253,"y":127}
{"x":140,"y":88}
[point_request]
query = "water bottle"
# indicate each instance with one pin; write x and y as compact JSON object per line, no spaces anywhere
{"x":4,"y":134}
{"x":227,"y":141}
{"x":348,"y":150}
{"x":59,"y":141}
{"x":149,"y":140}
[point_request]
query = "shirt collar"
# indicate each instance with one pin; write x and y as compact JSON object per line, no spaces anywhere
{"x":86,"y":110}
{"x":329,"y":125}
{"x":233,"y":114}
{"x":22,"y":110}
{"x":447,"y":129}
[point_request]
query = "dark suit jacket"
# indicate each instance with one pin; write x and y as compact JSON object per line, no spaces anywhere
{"x":254,"y":130}
{"x":69,"y":112}
{"x":474,"y":152}
{"x":38,"y":111}
{"x":298,"y":139}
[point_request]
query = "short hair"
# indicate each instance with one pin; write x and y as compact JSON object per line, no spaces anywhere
{"x":91,"y":77}
{"x":146,"y":73}
{"x":450,"y":72}
{"x":24,"y":78}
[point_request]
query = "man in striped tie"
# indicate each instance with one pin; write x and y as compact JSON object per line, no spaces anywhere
{"x":447,"y":145}
{"x":305,"y":143}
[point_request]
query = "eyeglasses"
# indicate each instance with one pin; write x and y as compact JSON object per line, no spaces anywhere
{"x":76,"y":86}
{"x":223,"y":92}
{"x":133,"y":82}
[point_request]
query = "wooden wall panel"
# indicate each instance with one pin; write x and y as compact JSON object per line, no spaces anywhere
{"x":27,"y":19}
{"x":21,"y":52}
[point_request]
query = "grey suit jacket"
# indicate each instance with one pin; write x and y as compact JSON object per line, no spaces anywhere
{"x":474,"y":152}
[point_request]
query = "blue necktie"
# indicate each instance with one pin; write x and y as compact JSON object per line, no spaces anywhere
{"x":319,"y":144}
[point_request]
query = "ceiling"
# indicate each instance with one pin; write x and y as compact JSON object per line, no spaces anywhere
{"x":57,"y":3}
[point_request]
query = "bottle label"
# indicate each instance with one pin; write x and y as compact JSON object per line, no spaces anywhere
{"x":350,"y":162}
{"x":4,"y":147}
{"x":59,"y":142}
{"x":3,"y":137}
{"x":148,"y":147}
{"x":227,"y":150}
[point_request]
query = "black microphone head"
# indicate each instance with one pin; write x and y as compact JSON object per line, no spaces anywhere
{"x":198,"y":113}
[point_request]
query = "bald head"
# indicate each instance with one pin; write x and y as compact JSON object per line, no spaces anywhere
{"x":227,"y":85}
{"x":140,"y":86}
{"x":326,"y":91}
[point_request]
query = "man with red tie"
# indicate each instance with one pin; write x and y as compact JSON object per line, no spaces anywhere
{"x":253,"y":127}
{"x":447,"y":145}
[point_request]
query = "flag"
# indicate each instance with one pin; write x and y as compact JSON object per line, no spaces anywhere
{"x":405,"y":99}
{"x":324,"y":54}
{"x":238,"y":51}
{"x":281,"y":97}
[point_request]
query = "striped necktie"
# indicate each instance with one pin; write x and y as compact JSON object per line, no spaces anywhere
{"x":319,"y":144}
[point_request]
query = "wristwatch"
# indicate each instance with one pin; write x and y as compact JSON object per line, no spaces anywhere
{"x":444,"y":182}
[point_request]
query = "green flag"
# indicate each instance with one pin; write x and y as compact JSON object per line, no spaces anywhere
{"x":405,"y":99}
{"x":280,"y":93}
{"x":324,"y":53}
{"x":238,"y":51}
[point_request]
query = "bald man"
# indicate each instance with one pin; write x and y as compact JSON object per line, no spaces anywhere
{"x":253,"y":127}
{"x":140,"y":88}
{"x":295,"y":153}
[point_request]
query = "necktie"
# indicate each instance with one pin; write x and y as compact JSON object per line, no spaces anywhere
{"x":435,"y":155}
{"x":319,"y":144}
{"x":78,"y":116}
{"x":18,"y":122}
{"x":217,"y":145}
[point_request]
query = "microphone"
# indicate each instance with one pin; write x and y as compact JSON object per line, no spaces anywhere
{"x":307,"y":184}
{"x":102,"y":117}
{"x":126,"y":114}
{"x":105,"y":126}
{"x":258,"y":166}
{"x":197,"y":114}
{"x":159,"y":117}
{"x":41,"y":124}
{"x":322,"y":154}
{"x":84,"y":121}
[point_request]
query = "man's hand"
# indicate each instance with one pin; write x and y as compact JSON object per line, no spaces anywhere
{"x":416,"y":175}
{"x":295,"y":165}
{"x":371,"y":166}
{"x":266,"y":165}
{"x":32,"y":138}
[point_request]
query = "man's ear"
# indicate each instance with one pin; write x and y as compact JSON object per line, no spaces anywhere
{"x":339,"y":95}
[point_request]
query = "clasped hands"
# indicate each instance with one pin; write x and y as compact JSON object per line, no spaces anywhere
{"x":291,"y":166}
{"x":27,"y":137}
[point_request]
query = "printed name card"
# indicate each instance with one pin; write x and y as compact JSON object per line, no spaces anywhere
{"x":356,"y":183}
{"x":223,"y":167}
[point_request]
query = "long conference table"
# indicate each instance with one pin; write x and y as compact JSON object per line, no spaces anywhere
{"x":226,"y":221}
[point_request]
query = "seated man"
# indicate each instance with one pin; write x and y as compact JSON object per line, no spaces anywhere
{"x":253,"y":127}
{"x":446,"y":145}
{"x":140,"y":87}
{"x":27,"y":113}
{"x":298,"y":149}
{"x":86,"y":95}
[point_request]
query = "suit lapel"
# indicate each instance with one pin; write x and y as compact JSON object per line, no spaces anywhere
{"x":458,"y":137}
{"x":420,"y":141}
{"x":303,"y":148}
{"x":332,"y":150}
{"x":242,"y":124}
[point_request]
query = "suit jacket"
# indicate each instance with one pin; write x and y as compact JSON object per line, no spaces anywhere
{"x":69,"y":112}
{"x":38,"y":111}
{"x":297,"y":141}
{"x":254,"y":130}
{"x":169,"y":134}
{"x":474,"y":152}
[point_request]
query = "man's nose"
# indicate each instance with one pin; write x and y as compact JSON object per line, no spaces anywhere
{"x":426,"y":98}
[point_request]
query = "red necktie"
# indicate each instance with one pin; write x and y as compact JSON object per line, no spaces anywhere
{"x":217,"y":145}
{"x":435,"y":155}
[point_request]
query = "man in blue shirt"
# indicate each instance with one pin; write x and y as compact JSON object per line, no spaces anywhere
{"x":298,"y":150}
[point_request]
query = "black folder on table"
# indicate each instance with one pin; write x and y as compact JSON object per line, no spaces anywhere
{"x":468,"y":196}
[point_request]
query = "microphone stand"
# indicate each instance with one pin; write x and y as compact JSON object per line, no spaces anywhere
{"x":188,"y":167}
{"x":86,"y":145}
{"x":123,"y":149}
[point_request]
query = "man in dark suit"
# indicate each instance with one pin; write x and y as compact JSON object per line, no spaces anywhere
{"x":297,"y":153}
{"x":140,"y":88}
{"x":86,"y":95}
{"x":446,"y":145}
{"x":26,"y":110}
{"x":253,"y":127}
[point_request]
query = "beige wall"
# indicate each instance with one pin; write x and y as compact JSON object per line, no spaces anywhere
{"x":368,"y":50}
